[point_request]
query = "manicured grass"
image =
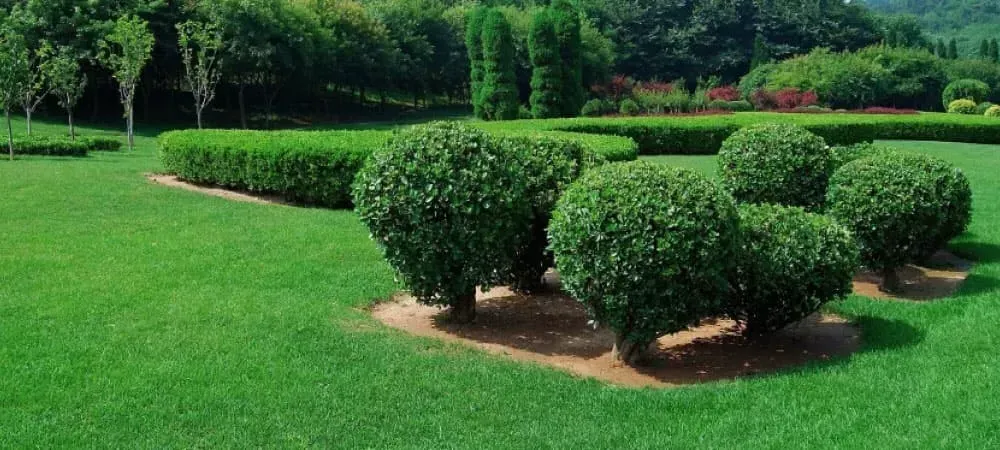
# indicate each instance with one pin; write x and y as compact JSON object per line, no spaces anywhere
{"x":134,"y":315}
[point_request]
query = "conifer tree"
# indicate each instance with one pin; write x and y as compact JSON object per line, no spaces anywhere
{"x":546,"y":67}
{"x":984,"y":50}
{"x":474,"y":46}
{"x":941,"y":50}
{"x":952,"y":49}
{"x":499,"y":90}
{"x":994,"y":52}
{"x":568,"y":26}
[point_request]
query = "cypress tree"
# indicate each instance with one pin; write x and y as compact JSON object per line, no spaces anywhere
{"x":499,"y":90}
{"x":984,"y":50}
{"x":546,"y":67}
{"x":994,"y":54}
{"x":941,"y":50}
{"x":952,"y":49}
{"x":474,"y":46}
{"x":567,"y":25}
{"x":761,"y":54}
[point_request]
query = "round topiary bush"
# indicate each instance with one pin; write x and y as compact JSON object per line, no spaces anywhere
{"x":841,"y":155}
{"x":789,"y":263}
{"x":983,"y":107}
{"x":776,"y":163}
{"x":549,"y":166}
{"x":647,"y":248}
{"x":955,"y":197}
{"x":629,"y":108}
{"x":994,"y":111}
{"x":899,"y":207}
{"x":445,"y":203}
{"x":967,"y":89}
{"x":962,"y":106}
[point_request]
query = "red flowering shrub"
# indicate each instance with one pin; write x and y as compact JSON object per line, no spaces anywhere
{"x":784,"y":99}
{"x":724,"y":93}
{"x":618,"y":88}
{"x":656,"y":86}
{"x":763,"y":100}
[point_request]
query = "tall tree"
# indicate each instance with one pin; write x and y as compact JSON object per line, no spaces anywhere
{"x":38,"y":86}
{"x":941,"y":50}
{"x":68,"y":82}
{"x":952,"y":49}
{"x":567,"y":25}
{"x":994,"y":51}
{"x":499,"y":91}
{"x":761,"y":54}
{"x":984,"y":50}
{"x":546,"y":67}
{"x":474,"y":46}
{"x":13,"y":76}
{"x":199,"y":44}
{"x":125,"y":53}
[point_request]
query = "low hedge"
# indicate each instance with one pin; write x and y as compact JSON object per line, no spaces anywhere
{"x":705,"y":134}
{"x":102,"y":144}
{"x":48,"y":146}
{"x":311,"y":167}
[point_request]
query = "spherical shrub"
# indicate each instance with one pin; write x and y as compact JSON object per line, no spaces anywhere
{"x":841,"y":155}
{"x":776,"y":163}
{"x":444,"y":203}
{"x":896,"y":208}
{"x":597,"y":108}
{"x":954,"y":195}
{"x":983,"y":107}
{"x":994,"y":111}
{"x":962,"y":106}
{"x":629,"y":108}
{"x":967,"y":89}
{"x":647,"y":248}
{"x":548,"y":165}
{"x":789,"y":263}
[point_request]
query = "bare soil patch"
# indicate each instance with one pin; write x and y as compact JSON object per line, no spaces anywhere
{"x":552,"y":329}
{"x":216,"y":191}
{"x":942,"y":278}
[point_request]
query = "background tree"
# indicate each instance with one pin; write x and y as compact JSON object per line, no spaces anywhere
{"x":904,"y":31}
{"x":13,"y":76}
{"x":38,"y":86}
{"x":125,"y":52}
{"x":761,"y":54}
{"x":499,"y":91}
{"x":994,"y":51}
{"x":474,"y":45}
{"x":984,"y":50}
{"x":67,"y":81}
{"x":952,"y":49}
{"x":941,"y":50}
{"x":546,"y":63}
{"x":199,"y":44}
{"x":567,"y":27}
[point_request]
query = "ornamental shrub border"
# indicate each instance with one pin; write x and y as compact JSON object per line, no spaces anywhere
{"x":51,"y":146}
{"x":310,"y":167}
{"x":704,"y":135}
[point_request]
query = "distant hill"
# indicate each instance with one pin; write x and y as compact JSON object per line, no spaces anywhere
{"x":942,"y":15}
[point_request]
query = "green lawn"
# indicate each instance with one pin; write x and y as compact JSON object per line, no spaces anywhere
{"x":134,"y":315}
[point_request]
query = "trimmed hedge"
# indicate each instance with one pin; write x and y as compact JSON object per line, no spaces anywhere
{"x":58,"y":146}
{"x":705,"y":134}
{"x":311,"y":167}
{"x":102,"y":144}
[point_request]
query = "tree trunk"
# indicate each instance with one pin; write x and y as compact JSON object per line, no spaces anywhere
{"x":891,"y":283}
{"x":197,"y":112}
{"x":626,"y":352}
{"x":463,"y":311}
{"x":10,"y":133}
{"x":72,"y":131}
{"x":27,"y":117}
{"x":243,"y":107}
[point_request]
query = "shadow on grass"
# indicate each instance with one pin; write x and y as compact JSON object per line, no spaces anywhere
{"x":979,"y":252}
{"x":880,"y":334}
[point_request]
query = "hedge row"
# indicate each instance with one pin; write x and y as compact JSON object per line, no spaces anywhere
{"x":53,"y":146}
{"x":310,"y":167}
{"x":705,"y":134}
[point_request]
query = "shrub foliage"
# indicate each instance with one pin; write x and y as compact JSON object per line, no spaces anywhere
{"x":973,"y":90}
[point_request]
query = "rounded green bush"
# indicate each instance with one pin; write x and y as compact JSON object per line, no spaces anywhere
{"x":629,"y":108}
{"x":841,"y":155}
{"x":962,"y":106}
{"x":901,"y":208}
{"x":647,"y":248}
{"x":789,"y":263}
{"x":597,"y":108}
{"x":994,"y":111}
{"x":445,"y":204}
{"x":983,"y":107}
{"x":967,"y":89}
{"x":776,"y":163}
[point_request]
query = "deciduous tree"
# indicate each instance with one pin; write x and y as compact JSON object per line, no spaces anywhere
{"x":199,"y":44}
{"x":125,"y":52}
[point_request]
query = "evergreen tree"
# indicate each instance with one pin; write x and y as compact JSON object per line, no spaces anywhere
{"x":546,"y":67}
{"x":761,"y":53}
{"x":984,"y":50}
{"x":941,"y":50}
{"x":474,"y":46}
{"x":567,"y":25}
{"x":994,"y":53}
{"x":499,"y":94}
{"x":952,"y":49}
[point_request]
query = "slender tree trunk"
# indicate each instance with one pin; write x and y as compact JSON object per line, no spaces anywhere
{"x":27,"y":117}
{"x":243,"y":106}
{"x":72,"y":130}
{"x":463,"y":311}
{"x":197,"y":112}
{"x":362,"y":99}
{"x":10,"y":133}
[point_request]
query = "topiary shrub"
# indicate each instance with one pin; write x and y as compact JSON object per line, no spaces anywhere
{"x":983,"y":107}
{"x":789,"y":263}
{"x":549,"y":166}
{"x":646,"y":248}
{"x":962,"y":106}
{"x":901,"y":208}
{"x":776,"y":163}
{"x":966,"y":89}
{"x":841,"y":155}
{"x":994,"y":111}
{"x":596,"y":108}
{"x":629,"y":108}
{"x":444,"y":203}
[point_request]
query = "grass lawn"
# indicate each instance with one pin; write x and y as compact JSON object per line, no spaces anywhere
{"x":134,"y":315}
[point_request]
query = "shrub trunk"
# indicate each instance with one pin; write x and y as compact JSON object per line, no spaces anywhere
{"x":463,"y":310}
{"x":891,"y":283}
{"x":627,"y":352}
